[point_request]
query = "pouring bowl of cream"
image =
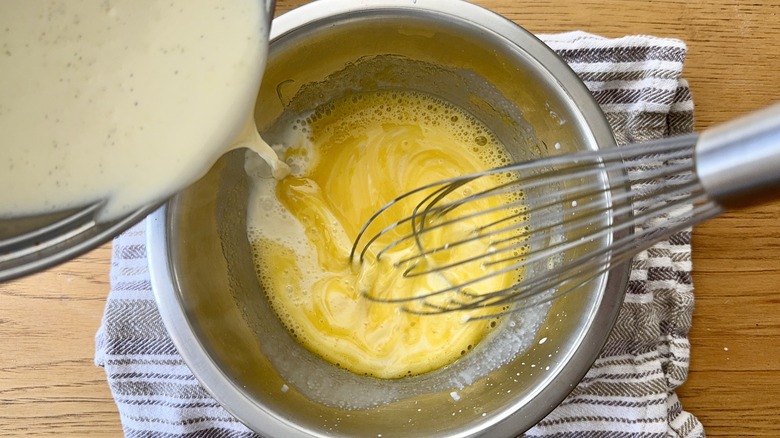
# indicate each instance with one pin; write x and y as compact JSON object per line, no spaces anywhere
{"x":109,"y":108}
{"x":228,"y":254}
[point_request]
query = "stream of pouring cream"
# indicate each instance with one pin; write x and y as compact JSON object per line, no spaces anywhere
{"x":250,"y":139}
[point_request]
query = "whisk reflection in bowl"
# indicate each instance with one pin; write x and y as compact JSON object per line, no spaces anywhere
{"x":596,"y":210}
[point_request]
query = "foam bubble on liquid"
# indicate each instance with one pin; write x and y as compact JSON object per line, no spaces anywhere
{"x":416,"y":107}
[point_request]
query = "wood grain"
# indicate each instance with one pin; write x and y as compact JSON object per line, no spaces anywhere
{"x":49,"y":385}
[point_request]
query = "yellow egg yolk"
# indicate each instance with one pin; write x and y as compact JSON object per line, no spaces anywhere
{"x":353,"y":156}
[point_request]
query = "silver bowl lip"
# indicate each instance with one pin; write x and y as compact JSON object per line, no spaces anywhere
{"x":62,"y":240}
{"x":232,"y":397}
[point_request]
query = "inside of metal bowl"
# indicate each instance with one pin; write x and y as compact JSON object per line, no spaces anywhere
{"x":240,"y":351}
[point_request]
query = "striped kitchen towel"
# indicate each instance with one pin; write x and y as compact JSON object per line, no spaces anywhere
{"x":629,"y":392}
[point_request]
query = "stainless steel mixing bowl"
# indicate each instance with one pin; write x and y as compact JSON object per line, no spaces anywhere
{"x":201,"y":262}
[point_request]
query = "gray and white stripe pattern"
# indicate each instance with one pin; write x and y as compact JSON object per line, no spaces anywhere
{"x":629,"y":392}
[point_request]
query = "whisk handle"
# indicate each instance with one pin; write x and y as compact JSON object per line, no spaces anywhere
{"x":738,"y":162}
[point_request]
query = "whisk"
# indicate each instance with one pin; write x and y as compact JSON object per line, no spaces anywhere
{"x":559,"y":222}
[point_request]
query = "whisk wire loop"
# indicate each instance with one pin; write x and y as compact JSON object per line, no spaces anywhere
{"x":559,"y":222}
{"x":573,"y":267}
{"x":611,"y":160}
{"x":559,"y":282}
{"x":591,"y":210}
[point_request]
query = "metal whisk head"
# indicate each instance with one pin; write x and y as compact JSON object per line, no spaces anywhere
{"x":526,"y":233}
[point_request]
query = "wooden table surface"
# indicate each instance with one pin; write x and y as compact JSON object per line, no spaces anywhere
{"x":49,"y":385}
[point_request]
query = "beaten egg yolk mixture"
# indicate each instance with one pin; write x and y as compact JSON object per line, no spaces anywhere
{"x":350,"y":158}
